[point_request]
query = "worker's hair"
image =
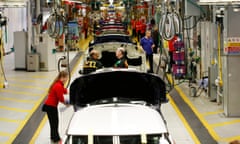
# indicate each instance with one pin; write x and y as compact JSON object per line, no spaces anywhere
{"x":122,"y":50}
{"x":148,"y":31}
{"x":61,"y":74}
{"x":93,"y":52}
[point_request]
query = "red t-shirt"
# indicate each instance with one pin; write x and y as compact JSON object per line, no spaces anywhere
{"x":56,"y":94}
{"x":133,"y":23}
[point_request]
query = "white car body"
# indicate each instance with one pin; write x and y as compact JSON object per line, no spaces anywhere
{"x":116,"y":119}
{"x":108,"y":116}
{"x":107,"y":48}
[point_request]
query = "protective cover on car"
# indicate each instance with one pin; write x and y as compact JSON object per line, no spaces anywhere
{"x":133,"y":85}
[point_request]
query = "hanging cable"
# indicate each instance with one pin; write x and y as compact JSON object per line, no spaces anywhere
{"x":56,"y":23}
{"x":3,"y":22}
{"x":170,"y":21}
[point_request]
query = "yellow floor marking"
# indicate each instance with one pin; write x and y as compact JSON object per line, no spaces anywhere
{"x":32,"y":141}
{"x":225,"y":123}
{"x":23,"y":123}
{"x":5,"y":134}
{"x":200,"y":117}
{"x":14,"y":109}
{"x":231,"y":138}
{"x":28,"y":80}
{"x":85,"y":46}
{"x":212,"y":113}
{"x":19,"y":93}
{"x":27,"y":86}
{"x":17,"y":100}
{"x":9,"y":120}
{"x":192,"y":134}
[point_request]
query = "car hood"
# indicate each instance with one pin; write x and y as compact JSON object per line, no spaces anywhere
{"x":133,"y":85}
{"x":116,"y":119}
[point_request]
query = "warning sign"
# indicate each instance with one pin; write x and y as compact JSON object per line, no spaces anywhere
{"x":232,"y":46}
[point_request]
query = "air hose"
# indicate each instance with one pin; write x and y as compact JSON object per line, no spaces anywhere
{"x":169,"y":25}
{"x":170,"y":22}
{"x":55,"y":25}
{"x":67,"y":65}
{"x":56,"y":22}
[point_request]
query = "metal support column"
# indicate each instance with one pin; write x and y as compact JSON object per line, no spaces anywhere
{"x":231,"y":59}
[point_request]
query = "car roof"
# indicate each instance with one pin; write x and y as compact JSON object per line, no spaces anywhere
{"x":104,"y":38}
{"x":116,"y":119}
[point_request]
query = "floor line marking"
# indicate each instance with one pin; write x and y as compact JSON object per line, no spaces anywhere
{"x":5,"y":134}
{"x":231,"y":138}
{"x":28,"y":80}
{"x":204,"y":122}
{"x":23,"y":123}
{"x":9,"y":120}
{"x":192,"y":134}
{"x":225,"y":123}
{"x":21,"y":93}
{"x":212,"y":113}
{"x":28,"y":87}
{"x":17,"y":100}
{"x":15,"y":109}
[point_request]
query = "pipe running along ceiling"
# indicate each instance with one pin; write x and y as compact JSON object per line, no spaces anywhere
{"x":13,"y":3}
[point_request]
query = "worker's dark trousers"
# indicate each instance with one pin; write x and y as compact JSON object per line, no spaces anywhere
{"x":149,"y":57}
{"x":52,"y":113}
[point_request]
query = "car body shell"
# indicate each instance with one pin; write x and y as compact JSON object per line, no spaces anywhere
{"x":107,"y":44}
{"x":110,"y":111}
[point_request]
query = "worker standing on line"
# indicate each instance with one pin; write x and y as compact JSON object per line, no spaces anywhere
{"x":171,"y":49}
{"x":143,"y":29}
{"x":55,"y":95}
{"x":147,"y":44}
{"x":138,"y":28}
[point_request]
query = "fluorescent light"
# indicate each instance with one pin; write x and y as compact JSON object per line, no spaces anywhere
{"x":218,"y":2}
{"x":236,"y":8}
{"x":12,"y":4}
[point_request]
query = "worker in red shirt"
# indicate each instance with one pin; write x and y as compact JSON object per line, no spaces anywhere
{"x":138,"y":28}
{"x":55,"y":95}
{"x":171,"y":49}
{"x":143,"y":29}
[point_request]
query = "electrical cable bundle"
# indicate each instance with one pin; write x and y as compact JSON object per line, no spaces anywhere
{"x":55,"y":25}
{"x":170,"y":23}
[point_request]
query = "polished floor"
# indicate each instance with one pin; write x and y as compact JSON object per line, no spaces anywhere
{"x":26,"y":91}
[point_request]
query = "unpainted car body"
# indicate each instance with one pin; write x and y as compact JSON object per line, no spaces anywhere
{"x":118,"y":107}
{"x":107,"y":44}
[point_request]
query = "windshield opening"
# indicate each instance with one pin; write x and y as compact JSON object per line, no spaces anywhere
{"x":122,"y":139}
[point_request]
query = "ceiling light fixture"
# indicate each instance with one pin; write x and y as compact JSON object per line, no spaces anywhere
{"x":236,"y":8}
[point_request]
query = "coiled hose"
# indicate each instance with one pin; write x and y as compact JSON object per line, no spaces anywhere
{"x":55,"y":25}
{"x":170,"y":25}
